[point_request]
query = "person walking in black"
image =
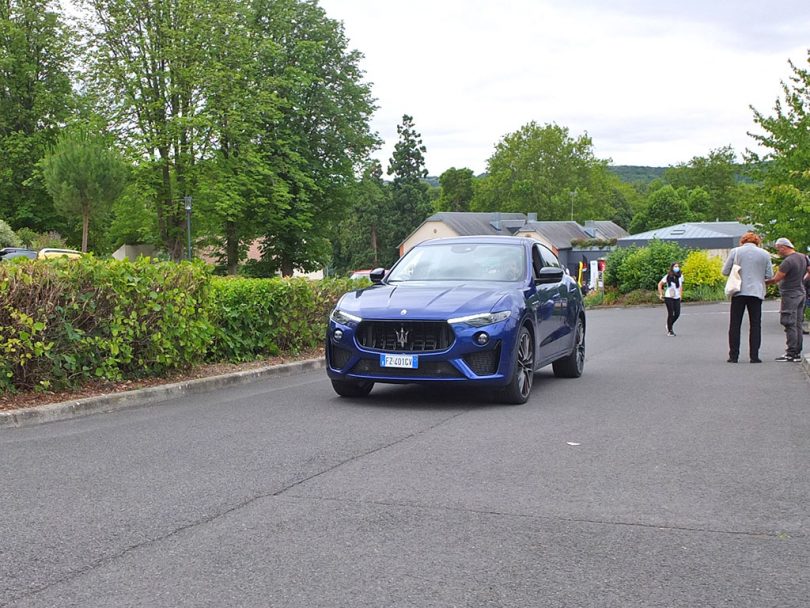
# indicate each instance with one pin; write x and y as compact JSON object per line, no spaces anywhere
{"x":670,"y":290}
{"x":755,"y":267}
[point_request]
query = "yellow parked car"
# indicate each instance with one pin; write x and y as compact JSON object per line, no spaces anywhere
{"x":50,"y":253}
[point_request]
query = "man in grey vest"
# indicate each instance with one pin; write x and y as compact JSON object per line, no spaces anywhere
{"x":791,"y":313}
{"x":755,"y":267}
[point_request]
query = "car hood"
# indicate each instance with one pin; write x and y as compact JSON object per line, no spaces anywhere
{"x":423,"y":300}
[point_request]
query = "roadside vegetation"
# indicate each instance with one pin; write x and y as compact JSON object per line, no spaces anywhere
{"x":64,"y":323}
{"x":632,"y":275}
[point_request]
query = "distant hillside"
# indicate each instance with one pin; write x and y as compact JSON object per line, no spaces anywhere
{"x":632,"y":174}
{"x":635,"y":174}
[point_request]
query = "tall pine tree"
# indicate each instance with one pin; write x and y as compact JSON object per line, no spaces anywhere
{"x":409,"y":192}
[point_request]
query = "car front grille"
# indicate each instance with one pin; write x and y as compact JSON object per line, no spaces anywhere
{"x":485,"y":362}
{"x":405,"y":336}
{"x":427,"y":369}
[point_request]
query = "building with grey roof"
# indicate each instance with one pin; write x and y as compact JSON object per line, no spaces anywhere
{"x":715,"y":236}
{"x":558,"y":236}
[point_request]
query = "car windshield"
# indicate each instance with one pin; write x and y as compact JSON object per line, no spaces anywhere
{"x":461,"y":262}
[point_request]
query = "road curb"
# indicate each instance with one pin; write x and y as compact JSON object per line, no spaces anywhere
{"x":66,"y":410}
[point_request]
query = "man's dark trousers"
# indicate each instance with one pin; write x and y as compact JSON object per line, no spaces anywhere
{"x":738,"y":306}
{"x":791,"y":317}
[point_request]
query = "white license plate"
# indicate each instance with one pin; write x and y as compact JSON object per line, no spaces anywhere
{"x":403,"y":361}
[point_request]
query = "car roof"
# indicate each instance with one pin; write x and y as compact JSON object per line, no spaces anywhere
{"x":480,"y":239}
{"x":16,"y":252}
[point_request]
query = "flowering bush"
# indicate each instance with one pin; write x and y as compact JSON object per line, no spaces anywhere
{"x":701,"y":273}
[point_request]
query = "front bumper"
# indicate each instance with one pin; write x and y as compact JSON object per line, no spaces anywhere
{"x":464,"y":361}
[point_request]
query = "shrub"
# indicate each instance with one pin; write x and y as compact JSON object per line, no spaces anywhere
{"x":643,"y":267}
{"x":48,"y":239}
{"x":259,"y":317}
{"x":640,"y":296}
{"x":7,"y":236}
{"x":704,"y":293}
{"x":608,"y":297}
{"x":26,"y":236}
{"x":702,"y":274}
{"x":594,"y":298}
{"x":65,"y":321}
{"x":614,"y":262}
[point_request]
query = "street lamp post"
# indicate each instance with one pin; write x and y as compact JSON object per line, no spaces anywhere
{"x":187,"y":203}
{"x":573,"y":195}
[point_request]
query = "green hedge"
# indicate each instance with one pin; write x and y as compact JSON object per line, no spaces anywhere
{"x":63,"y":322}
{"x":260,"y":317}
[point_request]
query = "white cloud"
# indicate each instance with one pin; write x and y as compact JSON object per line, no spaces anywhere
{"x":651,"y":83}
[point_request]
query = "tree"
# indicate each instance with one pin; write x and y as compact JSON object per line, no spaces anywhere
{"x":665,"y":206}
{"x":84,"y":176}
{"x":317,"y":136}
{"x":539,"y":169}
{"x":623,"y":200}
{"x":456,"y":190}
{"x":233,"y":176}
{"x":717,"y":176}
{"x":409,"y":192}
{"x":149,"y":64}
{"x":362,"y":240}
{"x":36,"y":96}
{"x":784,"y":209}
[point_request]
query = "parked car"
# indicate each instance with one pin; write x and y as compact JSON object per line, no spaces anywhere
{"x":359,"y":274}
{"x":9,"y":253}
{"x":50,"y":253}
{"x":483,"y":311}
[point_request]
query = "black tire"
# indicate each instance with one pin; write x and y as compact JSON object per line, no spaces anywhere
{"x":520,"y":386}
{"x":573,"y":363}
{"x":349,"y":388}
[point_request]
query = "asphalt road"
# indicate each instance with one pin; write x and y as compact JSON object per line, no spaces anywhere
{"x":663,"y":477}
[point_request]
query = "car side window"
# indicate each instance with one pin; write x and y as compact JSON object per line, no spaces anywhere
{"x":549,"y":259}
{"x":537,"y":261}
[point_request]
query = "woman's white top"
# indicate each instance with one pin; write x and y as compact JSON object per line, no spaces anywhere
{"x":670,"y":290}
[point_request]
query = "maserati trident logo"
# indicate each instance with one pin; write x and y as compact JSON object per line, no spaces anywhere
{"x":402,"y":337}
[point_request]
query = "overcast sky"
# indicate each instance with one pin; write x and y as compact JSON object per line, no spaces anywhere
{"x":652,"y":82}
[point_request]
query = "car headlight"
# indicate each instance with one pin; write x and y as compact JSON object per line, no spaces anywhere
{"x":484,"y":318}
{"x":344,"y":318}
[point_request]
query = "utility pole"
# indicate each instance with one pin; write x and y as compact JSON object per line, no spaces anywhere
{"x":573,"y":196}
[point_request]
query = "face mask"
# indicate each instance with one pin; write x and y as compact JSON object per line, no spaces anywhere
{"x":676,"y":269}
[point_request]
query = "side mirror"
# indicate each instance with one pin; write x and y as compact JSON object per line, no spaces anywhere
{"x":377,"y":275}
{"x":549,"y":274}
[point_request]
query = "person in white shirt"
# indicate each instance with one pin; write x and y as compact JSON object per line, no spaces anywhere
{"x":670,"y":290}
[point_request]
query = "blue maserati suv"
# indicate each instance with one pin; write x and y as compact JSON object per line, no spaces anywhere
{"x":482,"y":311}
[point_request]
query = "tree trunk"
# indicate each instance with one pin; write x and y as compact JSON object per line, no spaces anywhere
{"x":231,"y":247}
{"x":85,"y":227}
{"x":374,"y":245}
{"x":286,"y":268}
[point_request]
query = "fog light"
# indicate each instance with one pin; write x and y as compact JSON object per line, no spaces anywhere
{"x":338,"y":335}
{"x":482,"y":338}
